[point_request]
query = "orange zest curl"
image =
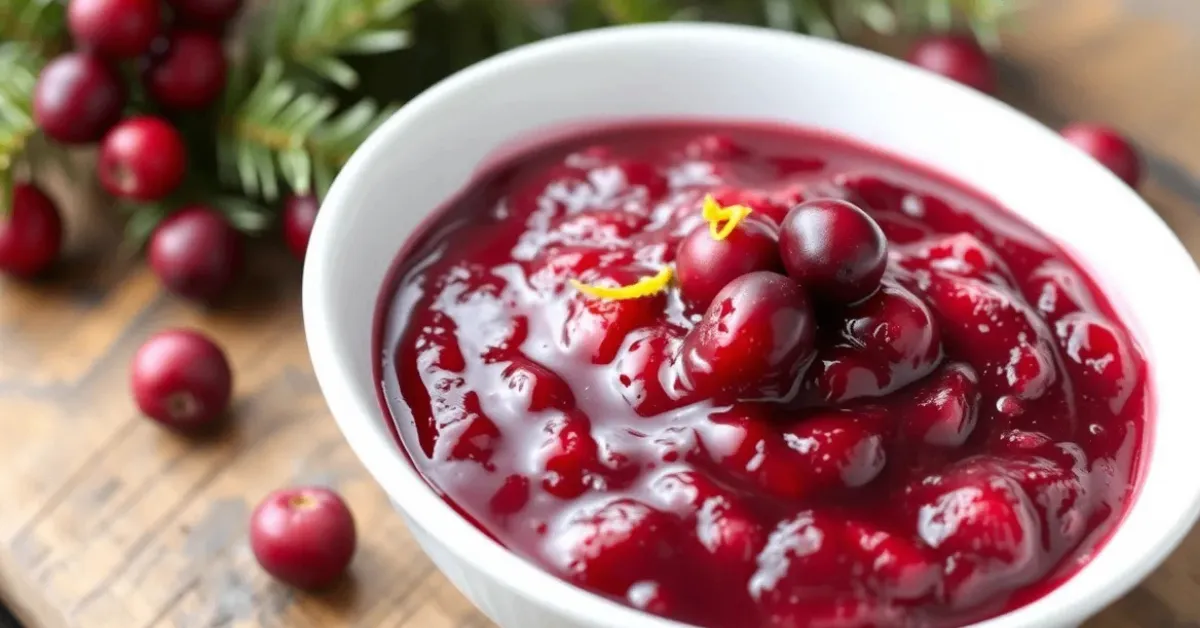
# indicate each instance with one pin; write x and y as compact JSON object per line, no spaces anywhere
{"x":645,"y":287}
{"x":722,"y":220}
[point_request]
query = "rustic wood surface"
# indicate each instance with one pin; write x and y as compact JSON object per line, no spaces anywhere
{"x":108,"y":521}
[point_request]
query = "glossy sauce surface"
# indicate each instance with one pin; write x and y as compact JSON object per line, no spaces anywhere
{"x":962,"y":441}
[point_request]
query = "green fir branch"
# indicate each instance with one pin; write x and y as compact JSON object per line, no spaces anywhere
{"x":316,"y":34}
{"x":282,"y":133}
{"x":19,"y":67}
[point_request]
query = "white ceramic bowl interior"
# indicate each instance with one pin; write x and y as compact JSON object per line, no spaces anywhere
{"x":430,"y":149}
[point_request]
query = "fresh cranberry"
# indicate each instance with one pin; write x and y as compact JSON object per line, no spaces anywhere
{"x":725,"y":528}
{"x":836,"y":450}
{"x":299,"y":215}
{"x":757,"y":337}
{"x":998,"y":334}
{"x":196,"y":253}
{"x":945,"y":408}
{"x":537,"y":387}
{"x":512,"y":496}
{"x":1056,"y":290}
{"x":115,"y":28}
{"x":896,"y":567}
{"x":960,"y":255}
{"x":597,"y":545}
{"x":1108,"y":146}
{"x":143,"y":159}
{"x":31,"y":234}
{"x":188,"y":72}
{"x":956,"y":57}
{"x":596,"y":327}
{"x":304,"y":537}
{"x":834,"y":250}
{"x":882,"y":344}
{"x":646,"y":373}
{"x":209,"y":13}
{"x":77,"y":99}
{"x":569,"y":455}
{"x":804,"y":555}
{"x":1099,"y":358}
{"x":704,"y":265}
{"x":181,"y":379}
{"x":982,"y":523}
{"x":748,"y":448}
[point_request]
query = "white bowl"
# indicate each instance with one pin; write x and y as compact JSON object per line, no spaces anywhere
{"x":430,"y":149}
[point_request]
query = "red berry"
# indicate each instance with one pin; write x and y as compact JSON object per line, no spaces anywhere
{"x":189,"y":73}
{"x":704,"y":265}
{"x":834,"y":250}
{"x":78,"y":98}
{"x":956,"y":57}
{"x":304,"y":537}
{"x":208,"y":13}
{"x":597,"y":544}
{"x":181,"y":379}
{"x":114,"y":28}
{"x":196,"y":253}
{"x":32,"y":233}
{"x":299,"y":214}
{"x":756,"y":337}
{"x":1109,"y":147}
{"x":142,"y":158}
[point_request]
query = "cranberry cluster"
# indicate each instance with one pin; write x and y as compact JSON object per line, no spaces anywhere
{"x":173,"y":50}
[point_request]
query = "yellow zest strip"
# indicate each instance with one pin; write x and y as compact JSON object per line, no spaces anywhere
{"x":715,"y":215}
{"x":646,"y":286}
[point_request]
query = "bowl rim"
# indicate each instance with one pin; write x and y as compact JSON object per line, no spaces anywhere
{"x":425,"y":508}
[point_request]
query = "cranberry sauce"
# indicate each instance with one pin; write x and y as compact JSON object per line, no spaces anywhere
{"x":875,"y":399}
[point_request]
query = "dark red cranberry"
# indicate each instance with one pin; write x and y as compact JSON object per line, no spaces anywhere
{"x":181,"y":379}
{"x":704,"y":265}
{"x":1100,"y":359}
{"x":78,"y":98}
{"x":834,"y":250}
{"x":957,"y":57}
{"x":597,"y":546}
{"x":756,"y":337}
{"x":142,"y":158}
{"x":188,"y":73}
{"x":196,"y":253}
{"x":836,"y":450}
{"x":895,"y":567}
{"x":299,"y":214}
{"x":114,"y":28}
{"x":944,"y":409}
{"x":31,"y":234}
{"x":207,"y":13}
{"x":569,"y":455}
{"x":304,"y":537}
{"x":1109,"y":147}
{"x":597,"y":327}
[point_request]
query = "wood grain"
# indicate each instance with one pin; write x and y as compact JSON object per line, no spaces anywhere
{"x":109,"y":521}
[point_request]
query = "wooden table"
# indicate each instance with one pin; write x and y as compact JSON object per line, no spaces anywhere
{"x":107,"y":520}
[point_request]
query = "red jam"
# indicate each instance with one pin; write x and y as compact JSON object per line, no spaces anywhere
{"x":879,"y":400}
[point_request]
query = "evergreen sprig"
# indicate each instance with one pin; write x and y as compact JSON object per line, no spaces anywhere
{"x":289,"y":121}
{"x":283,"y":131}
{"x":316,"y":34}
{"x":19,"y":67}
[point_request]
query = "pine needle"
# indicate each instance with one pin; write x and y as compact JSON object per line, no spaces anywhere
{"x":283,"y":133}
{"x":315,"y":34}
